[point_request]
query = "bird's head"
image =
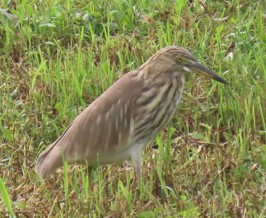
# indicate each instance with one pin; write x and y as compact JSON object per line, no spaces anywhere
{"x":175,"y":59}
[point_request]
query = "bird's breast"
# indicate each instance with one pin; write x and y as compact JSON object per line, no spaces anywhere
{"x":156,"y":107}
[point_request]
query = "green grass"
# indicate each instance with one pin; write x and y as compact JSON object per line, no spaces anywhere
{"x":6,"y":198}
{"x":56,"y":58}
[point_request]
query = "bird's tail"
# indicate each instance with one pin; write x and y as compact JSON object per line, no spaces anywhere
{"x":49,"y":160}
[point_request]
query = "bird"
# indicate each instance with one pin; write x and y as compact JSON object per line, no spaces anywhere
{"x":127,"y":116}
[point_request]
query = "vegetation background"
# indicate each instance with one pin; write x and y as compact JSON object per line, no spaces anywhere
{"x":57,"y":56}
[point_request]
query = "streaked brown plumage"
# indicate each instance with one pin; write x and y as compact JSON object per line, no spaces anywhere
{"x":127,"y":116}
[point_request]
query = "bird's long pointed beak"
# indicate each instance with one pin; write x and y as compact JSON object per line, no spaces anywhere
{"x":197,"y":67}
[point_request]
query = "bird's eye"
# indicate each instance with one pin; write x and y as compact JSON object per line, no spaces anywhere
{"x":179,"y":59}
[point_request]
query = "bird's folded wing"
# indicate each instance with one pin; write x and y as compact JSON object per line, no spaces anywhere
{"x":102,"y":128}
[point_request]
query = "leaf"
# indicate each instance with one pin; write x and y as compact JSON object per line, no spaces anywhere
{"x":197,"y":135}
{"x":47,"y":25}
{"x":147,"y":214}
{"x":6,"y":198}
{"x":183,"y":197}
{"x":6,"y":133}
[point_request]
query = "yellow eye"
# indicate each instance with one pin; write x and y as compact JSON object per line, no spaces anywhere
{"x":179,"y":59}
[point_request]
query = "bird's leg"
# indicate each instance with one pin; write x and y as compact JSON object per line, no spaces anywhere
{"x":136,"y":161}
{"x":89,"y":171}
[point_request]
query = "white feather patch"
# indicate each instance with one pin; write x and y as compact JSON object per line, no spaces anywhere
{"x":186,"y":69}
